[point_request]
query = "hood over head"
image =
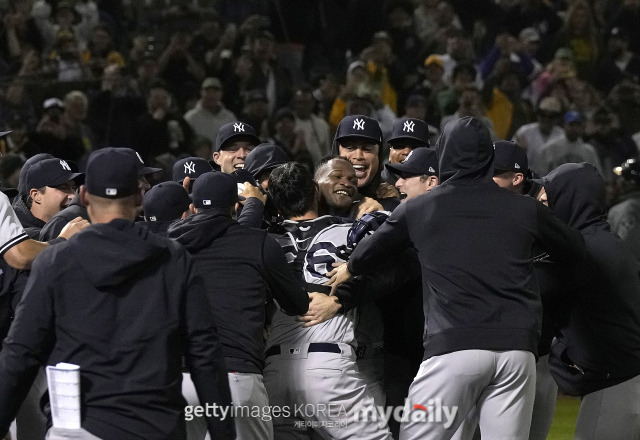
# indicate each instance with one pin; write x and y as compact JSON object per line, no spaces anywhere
{"x":465,"y":151}
{"x":576,"y":194}
{"x":198,"y":231}
{"x":126,"y":250}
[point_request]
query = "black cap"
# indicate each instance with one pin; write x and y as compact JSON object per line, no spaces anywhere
{"x":510,"y":157}
{"x":215,"y":190}
{"x":22,"y":179}
{"x":112,"y":173}
{"x":191,"y":167}
{"x":263,"y":158}
{"x":166,"y":201}
{"x":410,"y":130}
{"x":50,"y":172}
{"x":143,"y":170}
{"x":418,"y":162}
{"x":359,"y":126}
{"x":4,"y":133}
{"x":235,"y":130}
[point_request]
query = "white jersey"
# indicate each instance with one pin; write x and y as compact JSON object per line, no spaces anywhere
{"x":11,"y":231}
{"x":311,"y":247}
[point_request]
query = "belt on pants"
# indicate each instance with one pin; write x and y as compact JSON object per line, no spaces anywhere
{"x":317,"y":347}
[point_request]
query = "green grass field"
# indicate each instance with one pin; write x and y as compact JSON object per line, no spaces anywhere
{"x":564,"y":420}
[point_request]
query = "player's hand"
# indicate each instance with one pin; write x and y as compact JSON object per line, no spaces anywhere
{"x":321,"y":308}
{"x":386,"y":191}
{"x":73,"y":227}
{"x":338,"y":276}
{"x":252,"y":191}
{"x":186,"y":182}
{"x":367,"y":205}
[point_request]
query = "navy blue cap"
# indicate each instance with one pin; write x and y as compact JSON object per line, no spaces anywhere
{"x":359,"y":126}
{"x":418,"y":162}
{"x":509,"y":157}
{"x":263,"y":158}
{"x":235,"y":130}
{"x":215,"y":190}
{"x":411,"y":131}
{"x":22,"y":179}
{"x":50,"y":172}
{"x":143,"y":170}
{"x":112,"y":173}
{"x":166,"y":201}
{"x":191,"y":167}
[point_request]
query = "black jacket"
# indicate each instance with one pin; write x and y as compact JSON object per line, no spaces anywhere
{"x":30,"y":223}
{"x":474,"y":242}
{"x":125,"y":305}
{"x":598,"y":345}
{"x":56,"y":223}
{"x":239,"y":265}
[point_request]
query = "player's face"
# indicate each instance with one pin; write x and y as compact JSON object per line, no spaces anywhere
{"x":398,"y":153}
{"x":232,"y":156}
{"x":55,"y":199}
{"x":363,"y":155}
{"x":338,"y":184}
{"x":411,"y":186}
{"x":542,"y":197}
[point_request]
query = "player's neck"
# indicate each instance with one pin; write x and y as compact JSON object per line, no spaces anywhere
{"x":309,"y":215}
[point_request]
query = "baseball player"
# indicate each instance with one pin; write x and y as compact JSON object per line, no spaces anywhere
{"x":481,"y":312}
{"x":407,"y":135}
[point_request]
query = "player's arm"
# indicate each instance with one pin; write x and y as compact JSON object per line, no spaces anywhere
{"x":561,"y":241}
{"x":292,"y":298}
{"x":28,"y":343}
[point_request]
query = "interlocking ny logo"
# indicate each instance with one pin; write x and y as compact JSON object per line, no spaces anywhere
{"x":238,"y":126}
{"x":65,"y":165}
{"x":189,"y":167}
{"x":358,"y":124}
{"x":408,"y":126}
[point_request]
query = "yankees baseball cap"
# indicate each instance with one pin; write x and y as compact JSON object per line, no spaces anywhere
{"x":235,"y":131}
{"x":51,"y":172}
{"x":166,"y":201}
{"x":214,"y":190}
{"x":359,"y":126}
{"x":414,"y":132}
{"x":509,"y":157}
{"x":263,"y":158}
{"x":4,"y":133}
{"x":143,"y":170}
{"x":112,"y":173}
{"x":418,"y":162}
{"x":191,"y":167}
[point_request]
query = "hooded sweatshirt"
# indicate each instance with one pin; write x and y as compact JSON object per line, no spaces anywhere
{"x":599,"y":341}
{"x":60,"y":219}
{"x":474,"y":242}
{"x":239,"y":266}
{"x":124,"y":305}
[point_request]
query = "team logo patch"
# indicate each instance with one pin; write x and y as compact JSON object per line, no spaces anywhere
{"x":358,"y":124}
{"x":206,"y":202}
{"x":408,"y":126}
{"x":238,"y":127}
{"x":111,"y":191}
{"x":65,"y":165}
{"x":189,"y":167}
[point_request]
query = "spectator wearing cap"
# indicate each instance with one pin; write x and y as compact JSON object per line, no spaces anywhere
{"x":417,"y":173}
{"x":470,"y":104}
{"x":77,"y":209}
{"x":532,"y":136}
{"x":359,"y":139}
{"x":51,"y":121}
{"x":569,"y":148}
{"x":618,"y":62}
{"x":209,"y":113}
{"x":159,"y":130}
{"x":148,"y":300}
{"x":238,"y":265}
{"x":314,"y":129}
{"x":51,"y":184}
{"x":407,"y":135}
{"x":464,"y":74}
{"x":79,"y":19}
{"x":163,"y":204}
{"x":269,"y":75}
{"x":291,"y":140}
{"x":530,"y":42}
{"x":234,"y":142}
{"x":511,"y":169}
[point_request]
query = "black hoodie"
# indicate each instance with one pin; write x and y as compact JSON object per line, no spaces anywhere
{"x":239,"y":265}
{"x":474,"y":242}
{"x":60,"y":219}
{"x":125,"y":305}
{"x":599,"y":341}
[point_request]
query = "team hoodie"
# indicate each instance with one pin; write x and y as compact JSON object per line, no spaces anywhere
{"x":474,"y":242}
{"x":598,"y":344}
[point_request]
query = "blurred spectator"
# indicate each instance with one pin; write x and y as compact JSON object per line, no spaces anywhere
{"x":507,"y":46}
{"x":10,"y":166}
{"x":432,"y":84}
{"x":314,"y":129}
{"x":447,"y":26}
{"x":327,"y":88}
{"x":76,"y":106}
{"x":531,"y":137}
{"x":211,"y":44}
{"x":268,"y":75}
{"x":53,"y":134}
{"x":18,"y":142}
{"x":101,"y":51}
{"x":618,"y":62}
{"x":627,"y":17}
{"x":624,"y":98}
{"x":78,"y":18}
{"x":16,"y":101}
{"x":160,"y":130}
{"x":209,"y":113}
{"x":256,"y":112}
{"x":470,"y":104}
{"x":464,"y":75}
{"x":458,"y":50}
{"x":580,"y":34}
{"x":425,"y":20}
{"x":237,"y":82}
{"x":65,"y":60}
{"x":406,"y":45}
{"x":291,"y":140}
{"x":203,"y":148}
{"x":20,"y":33}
